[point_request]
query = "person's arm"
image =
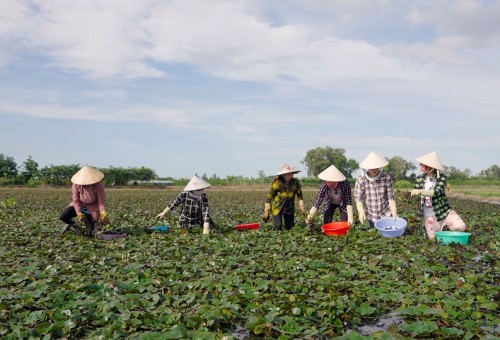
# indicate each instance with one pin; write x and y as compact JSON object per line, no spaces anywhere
{"x":180,"y":199}
{"x":345,"y":192}
{"x":270,"y":196}
{"x":77,"y":203}
{"x":205,"y":209}
{"x":358,"y":196}
{"x":101,"y":202}
{"x":101,"y":196}
{"x":300,"y":197}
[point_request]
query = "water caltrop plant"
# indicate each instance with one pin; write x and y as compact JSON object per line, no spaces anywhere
{"x":239,"y":284}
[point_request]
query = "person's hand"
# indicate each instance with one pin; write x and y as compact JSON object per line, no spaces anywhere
{"x":267,"y":207}
{"x":392,"y":207}
{"x":206,"y":228}
{"x":416,"y":192}
{"x":350,"y":218}
{"x":311,"y":214}
{"x":79,"y":218}
{"x":163,"y":213}
{"x":302,"y":207}
{"x":361,"y":212}
{"x":103,"y":217}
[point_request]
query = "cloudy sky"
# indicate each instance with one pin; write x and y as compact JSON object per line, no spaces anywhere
{"x":232,"y":87}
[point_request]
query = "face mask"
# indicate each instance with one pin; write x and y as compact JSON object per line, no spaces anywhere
{"x":196,"y":193}
{"x":371,"y":179}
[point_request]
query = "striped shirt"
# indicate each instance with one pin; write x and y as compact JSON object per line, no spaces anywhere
{"x":194,"y":211}
{"x":324,"y":195}
{"x":375,"y":196}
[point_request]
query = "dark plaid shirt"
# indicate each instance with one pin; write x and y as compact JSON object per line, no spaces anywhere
{"x":194,"y":211}
{"x":375,"y":196}
{"x":439,"y":200}
{"x":324,"y":195}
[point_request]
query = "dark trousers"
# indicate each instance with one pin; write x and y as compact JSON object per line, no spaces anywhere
{"x":328,"y":214}
{"x":289,"y":221}
{"x":68,"y":214}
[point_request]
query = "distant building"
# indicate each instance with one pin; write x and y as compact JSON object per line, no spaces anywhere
{"x":152,"y":183}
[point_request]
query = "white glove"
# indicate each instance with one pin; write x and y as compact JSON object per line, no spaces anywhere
{"x":349,"y":215}
{"x":310,"y":217}
{"x":206,"y":228}
{"x":416,"y":192}
{"x":163,"y":213}
{"x":302,"y":207}
{"x":267,"y":207}
{"x":394,"y":210}
{"x":361,"y":212}
{"x":428,"y":193}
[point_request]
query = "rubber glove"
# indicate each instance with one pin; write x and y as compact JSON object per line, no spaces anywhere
{"x":416,"y":192}
{"x":163,"y":213}
{"x":310,"y":217}
{"x":206,"y":228}
{"x":361,"y":212}
{"x":428,"y":193}
{"x":394,"y":210}
{"x":79,"y":218}
{"x":302,"y":207}
{"x":267,"y":207}
{"x":349,"y":215}
{"x":103,"y":217}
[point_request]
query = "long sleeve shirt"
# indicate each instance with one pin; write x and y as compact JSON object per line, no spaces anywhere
{"x":324,"y":195}
{"x":90,"y":196}
{"x":282,"y":195}
{"x":375,"y":196}
{"x":439,"y":201}
{"x":195,"y":210}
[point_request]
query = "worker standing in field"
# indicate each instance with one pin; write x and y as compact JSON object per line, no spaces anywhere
{"x":434,"y":207}
{"x":280,"y":202}
{"x":195,"y":208}
{"x":89,"y":202}
{"x":373,"y":190}
{"x":335,"y":192}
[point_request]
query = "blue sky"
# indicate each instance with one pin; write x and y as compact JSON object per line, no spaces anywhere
{"x":235,"y":87}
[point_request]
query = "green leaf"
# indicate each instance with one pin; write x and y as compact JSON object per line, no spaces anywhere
{"x":420,"y":327}
{"x":365,"y":309}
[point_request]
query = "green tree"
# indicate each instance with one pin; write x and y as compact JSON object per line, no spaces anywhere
{"x":319,"y":159}
{"x":398,"y":168}
{"x":455,"y":173}
{"x":29,"y":169}
{"x":8,"y":166}
{"x":59,"y":174}
{"x":492,"y":172}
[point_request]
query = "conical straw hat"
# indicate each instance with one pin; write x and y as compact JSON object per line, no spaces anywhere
{"x":196,"y":183}
{"x":286,"y":169}
{"x":373,"y":161}
{"x":331,"y":174}
{"x":87,"y":175}
{"x":431,"y":159}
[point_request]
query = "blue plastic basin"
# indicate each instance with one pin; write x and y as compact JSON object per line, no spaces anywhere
{"x":388,"y":227}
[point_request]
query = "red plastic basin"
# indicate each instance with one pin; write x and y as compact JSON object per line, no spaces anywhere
{"x":335,"y":228}
{"x":247,"y":226}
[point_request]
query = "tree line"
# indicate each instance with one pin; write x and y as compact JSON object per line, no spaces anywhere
{"x":316,"y":160}
{"x":30,"y":174}
{"x":320,"y":158}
